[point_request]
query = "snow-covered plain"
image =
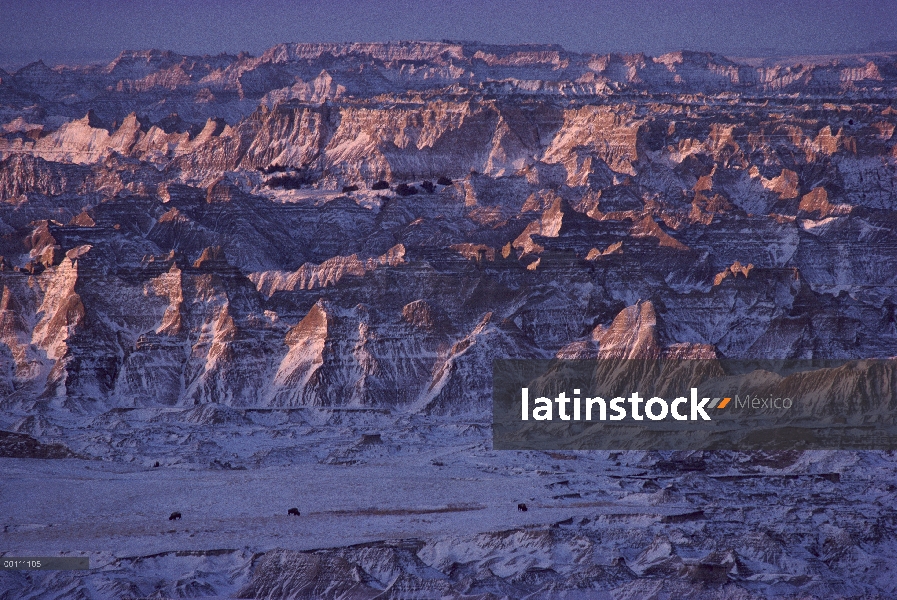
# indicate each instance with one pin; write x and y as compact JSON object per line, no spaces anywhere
{"x":427,"y":509}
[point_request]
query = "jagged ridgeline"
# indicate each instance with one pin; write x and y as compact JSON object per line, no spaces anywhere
{"x":370,"y":225}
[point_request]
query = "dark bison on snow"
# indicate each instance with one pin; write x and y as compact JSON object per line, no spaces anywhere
{"x":294,"y":512}
{"x":174,"y":516}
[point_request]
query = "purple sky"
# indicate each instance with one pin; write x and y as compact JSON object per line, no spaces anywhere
{"x":96,"y":30}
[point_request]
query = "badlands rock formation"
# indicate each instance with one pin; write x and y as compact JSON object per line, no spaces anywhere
{"x":184,"y":258}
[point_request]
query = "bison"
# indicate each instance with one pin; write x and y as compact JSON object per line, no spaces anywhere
{"x":380,"y":185}
{"x":522,"y":507}
{"x":288,"y":182}
{"x":403,"y":189}
{"x":294,"y":512}
{"x":174,"y":516}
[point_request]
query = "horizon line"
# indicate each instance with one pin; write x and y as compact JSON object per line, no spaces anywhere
{"x":87,"y":59}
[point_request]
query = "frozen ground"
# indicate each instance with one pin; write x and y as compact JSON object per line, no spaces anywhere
{"x":429,"y":510}
{"x":95,"y":507}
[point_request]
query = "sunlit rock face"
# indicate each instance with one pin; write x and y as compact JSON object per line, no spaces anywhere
{"x":173,"y":258}
{"x":330,"y":240}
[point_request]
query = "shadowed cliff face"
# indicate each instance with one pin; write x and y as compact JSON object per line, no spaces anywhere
{"x":178,"y":260}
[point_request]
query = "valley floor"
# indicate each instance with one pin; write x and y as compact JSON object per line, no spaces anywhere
{"x":439,"y":518}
